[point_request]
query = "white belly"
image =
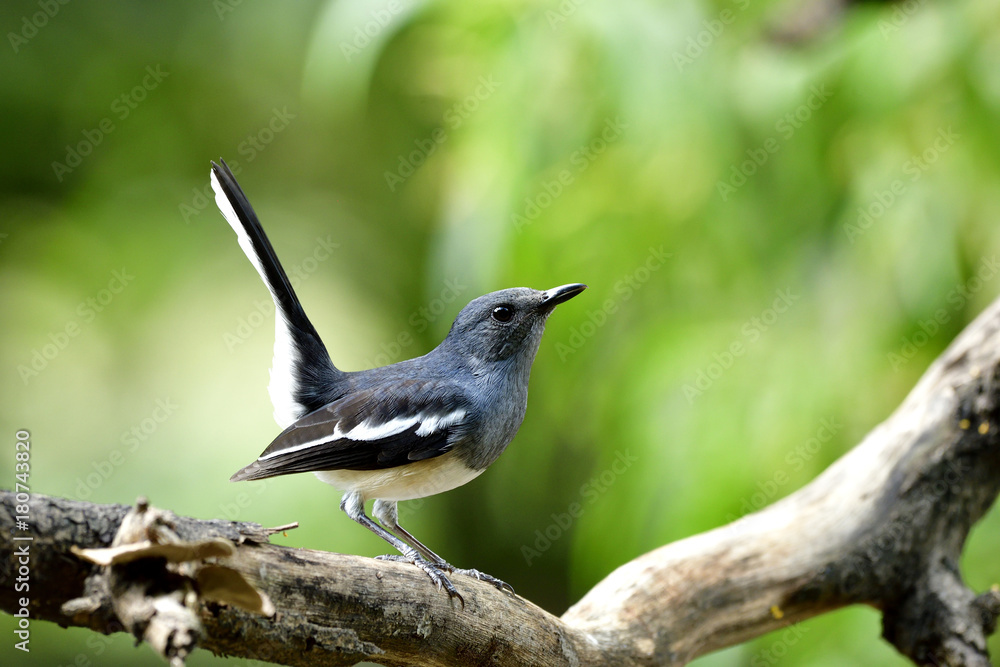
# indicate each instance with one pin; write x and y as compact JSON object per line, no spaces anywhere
{"x":413,"y":480}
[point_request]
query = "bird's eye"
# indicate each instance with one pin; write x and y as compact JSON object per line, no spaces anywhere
{"x":503,"y":313}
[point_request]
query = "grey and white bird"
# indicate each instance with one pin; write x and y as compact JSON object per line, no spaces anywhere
{"x":399,"y":432}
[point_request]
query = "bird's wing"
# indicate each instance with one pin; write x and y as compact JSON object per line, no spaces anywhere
{"x":391,"y":425}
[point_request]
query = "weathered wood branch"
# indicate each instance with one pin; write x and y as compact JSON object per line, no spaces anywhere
{"x":884,"y":526}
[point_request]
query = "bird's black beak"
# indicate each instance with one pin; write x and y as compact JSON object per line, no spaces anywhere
{"x":553,"y":297}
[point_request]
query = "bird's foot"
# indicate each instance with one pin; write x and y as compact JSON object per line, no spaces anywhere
{"x":481,"y":576}
{"x":431,"y":569}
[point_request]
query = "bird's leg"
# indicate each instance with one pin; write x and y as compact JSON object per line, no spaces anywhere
{"x":385,"y":512}
{"x":353,"y":505}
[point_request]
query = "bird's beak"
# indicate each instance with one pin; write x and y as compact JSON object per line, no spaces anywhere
{"x":553,"y":297}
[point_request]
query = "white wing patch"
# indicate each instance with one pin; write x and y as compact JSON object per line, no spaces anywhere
{"x":366,"y":431}
{"x":282,"y":385}
{"x":434,"y":423}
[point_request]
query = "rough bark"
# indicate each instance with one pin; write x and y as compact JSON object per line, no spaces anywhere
{"x":884,"y":526}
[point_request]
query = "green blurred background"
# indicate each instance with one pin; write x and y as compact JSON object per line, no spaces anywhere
{"x":816,"y":184}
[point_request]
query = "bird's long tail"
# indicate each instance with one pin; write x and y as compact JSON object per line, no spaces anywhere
{"x":302,"y":372}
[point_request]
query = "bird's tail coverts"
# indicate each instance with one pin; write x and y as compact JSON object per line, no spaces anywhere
{"x":299,"y":354}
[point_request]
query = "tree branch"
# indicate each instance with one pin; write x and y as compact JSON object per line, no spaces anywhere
{"x":884,"y":525}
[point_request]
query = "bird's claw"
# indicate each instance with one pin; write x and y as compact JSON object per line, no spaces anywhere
{"x":436,"y":571}
{"x":482,"y":576}
{"x":395,"y":558}
{"x":431,"y":570}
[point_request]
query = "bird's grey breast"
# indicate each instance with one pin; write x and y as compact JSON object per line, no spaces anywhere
{"x":501,"y":401}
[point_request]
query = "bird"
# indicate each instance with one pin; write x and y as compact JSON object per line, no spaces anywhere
{"x":399,"y":432}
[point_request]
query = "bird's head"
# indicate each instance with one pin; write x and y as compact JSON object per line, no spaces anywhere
{"x":500,"y":325}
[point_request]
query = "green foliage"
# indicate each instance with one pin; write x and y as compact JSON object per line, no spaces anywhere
{"x":779,"y":236}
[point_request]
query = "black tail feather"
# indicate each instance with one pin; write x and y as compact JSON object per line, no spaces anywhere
{"x":303,"y":377}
